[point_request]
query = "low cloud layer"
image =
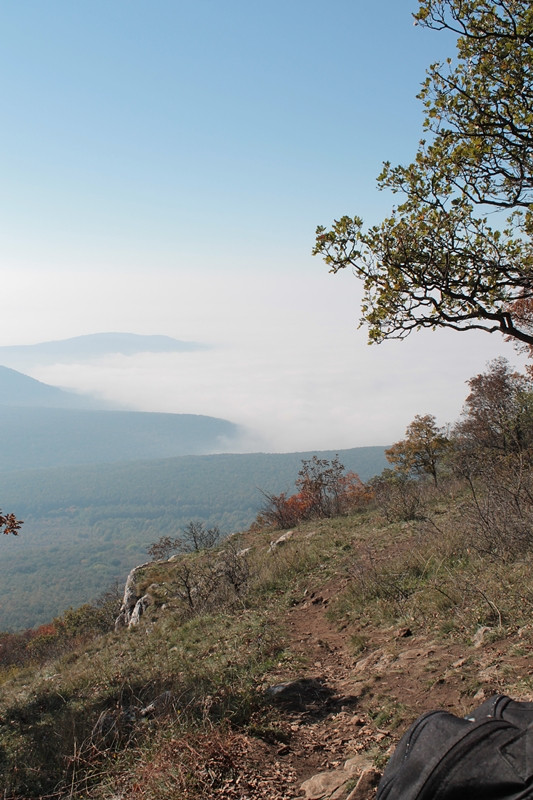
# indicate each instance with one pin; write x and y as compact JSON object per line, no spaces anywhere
{"x":285,"y":358}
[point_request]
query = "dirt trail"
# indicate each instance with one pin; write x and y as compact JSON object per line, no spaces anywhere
{"x":322,"y":645}
{"x":370,"y":698}
{"x":329,"y":727}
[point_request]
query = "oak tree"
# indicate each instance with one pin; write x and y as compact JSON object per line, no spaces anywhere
{"x":438,"y":260}
{"x":493,"y":452}
{"x":194,"y":538}
{"x":324,"y":490}
{"x":497,"y":418}
{"x":422,"y":449}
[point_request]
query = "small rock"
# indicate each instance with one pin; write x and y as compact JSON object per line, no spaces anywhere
{"x":489,"y":674}
{"x":160,"y":705}
{"x":356,"y":764}
{"x":481,"y":636}
{"x":375,"y":663}
{"x":365,"y":786}
{"x":323,"y":784}
{"x":403,"y":633}
{"x":339,"y":794}
{"x":283,"y":539}
{"x":460,"y":663}
{"x":415,"y":654}
{"x":299,"y":694}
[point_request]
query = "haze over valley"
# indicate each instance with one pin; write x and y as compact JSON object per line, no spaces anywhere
{"x":96,"y":483}
{"x":42,"y":425}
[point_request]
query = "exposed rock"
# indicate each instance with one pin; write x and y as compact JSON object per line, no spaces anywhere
{"x":130,"y":599}
{"x":160,"y":705}
{"x":324,"y":784}
{"x":459,"y":663}
{"x":333,"y":785}
{"x":140,"y":607}
{"x":354,"y":765}
{"x":283,"y":539}
{"x":490,"y":674}
{"x":415,"y":654}
{"x":365,"y":787}
{"x":300,"y":694}
{"x":376,"y":662}
{"x":481,"y":636}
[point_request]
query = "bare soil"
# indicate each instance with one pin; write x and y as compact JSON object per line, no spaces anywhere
{"x":370,"y":698}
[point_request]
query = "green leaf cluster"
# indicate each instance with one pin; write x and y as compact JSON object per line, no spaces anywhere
{"x":436,"y":261}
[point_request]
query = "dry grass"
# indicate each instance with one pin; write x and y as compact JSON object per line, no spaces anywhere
{"x":75,"y":726}
{"x":426,"y":573}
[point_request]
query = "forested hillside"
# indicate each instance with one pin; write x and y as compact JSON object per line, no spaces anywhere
{"x":44,"y":426}
{"x":19,"y":390}
{"x":48,"y":437}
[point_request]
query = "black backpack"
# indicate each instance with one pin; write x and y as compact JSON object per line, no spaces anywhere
{"x":485,"y":756}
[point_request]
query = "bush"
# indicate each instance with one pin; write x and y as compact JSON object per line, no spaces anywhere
{"x":325,"y":490}
{"x":194,"y":538}
{"x":398,"y":497}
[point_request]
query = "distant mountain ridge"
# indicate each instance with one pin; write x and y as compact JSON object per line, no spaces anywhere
{"x":34,"y":438}
{"x":43,"y":426}
{"x":17,"y":389}
{"x":94,"y":345}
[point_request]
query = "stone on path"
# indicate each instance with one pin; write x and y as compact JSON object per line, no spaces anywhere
{"x":324,"y":784}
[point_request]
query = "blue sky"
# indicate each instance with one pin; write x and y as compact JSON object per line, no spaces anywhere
{"x":164,"y":166}
{"x":170,"y":123}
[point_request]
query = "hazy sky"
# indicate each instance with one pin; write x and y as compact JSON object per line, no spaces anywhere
{"x":164,"y":165}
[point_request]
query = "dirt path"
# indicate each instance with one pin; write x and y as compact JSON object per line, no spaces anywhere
{"x":356,"y":705}
{"x":320,"y":643}
{"x":370,"y":698}
{"x":327,"y":727}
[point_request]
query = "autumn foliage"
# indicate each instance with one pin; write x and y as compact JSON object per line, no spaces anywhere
{"x":74,"y":627}
{"x":10,"y":524}
{"x":324,"y":490}
{"x":422,"y":450}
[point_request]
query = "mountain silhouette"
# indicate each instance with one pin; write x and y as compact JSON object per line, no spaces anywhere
{"x":94,"y":345}
{"x":43,"y":426}
{"x":17,"y":389}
